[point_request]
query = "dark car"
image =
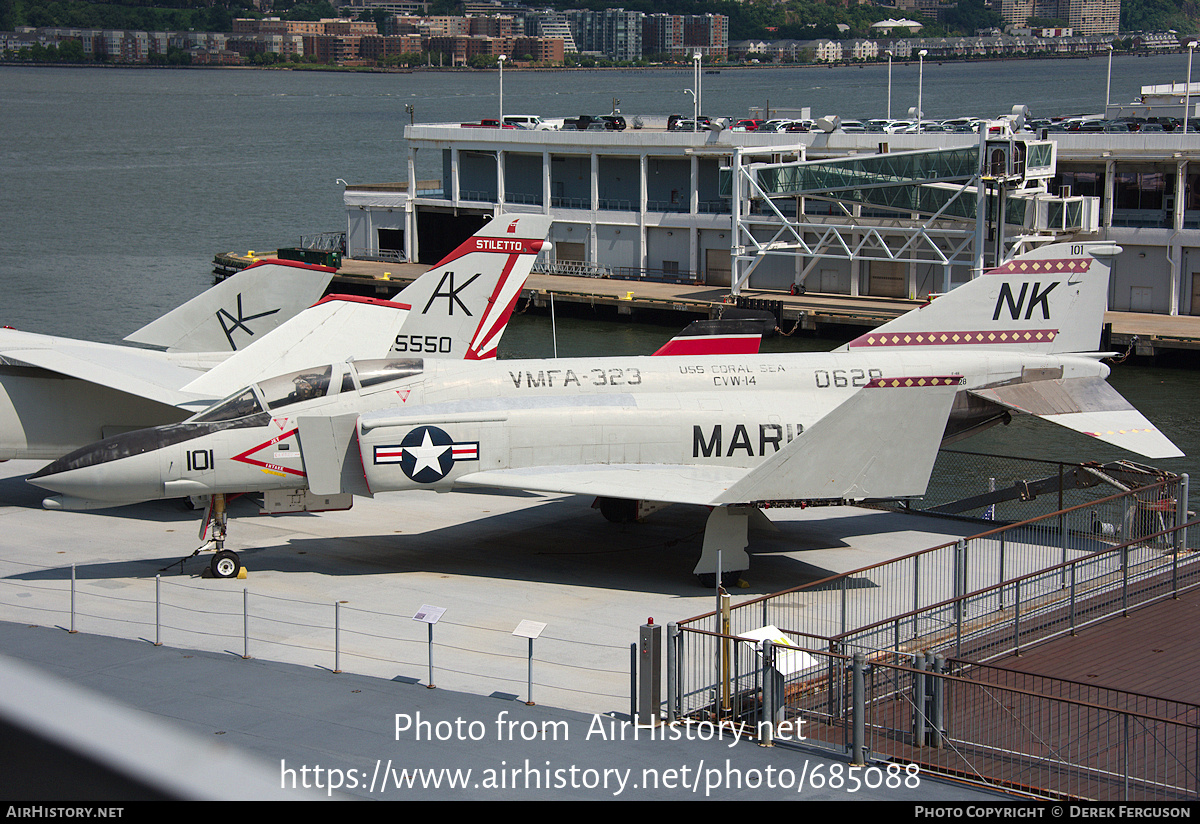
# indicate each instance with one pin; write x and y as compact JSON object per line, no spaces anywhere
{"x":592,"y":122}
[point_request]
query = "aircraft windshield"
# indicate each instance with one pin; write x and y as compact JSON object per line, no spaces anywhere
{"x":298,"y":386}
{"x":241,"y":405}
{"x":372,"y":373}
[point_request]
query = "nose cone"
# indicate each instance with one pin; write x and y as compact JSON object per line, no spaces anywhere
{"x":112,"y":471}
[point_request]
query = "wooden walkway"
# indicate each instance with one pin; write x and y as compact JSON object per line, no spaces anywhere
{"x":1109,"y":714}
{"x":1154,"y":650}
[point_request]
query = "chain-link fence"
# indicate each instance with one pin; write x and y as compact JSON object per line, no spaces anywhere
{"x":333,"y":635}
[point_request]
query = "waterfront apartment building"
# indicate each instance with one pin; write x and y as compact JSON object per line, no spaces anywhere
{"x":614,"y":33}
{"x":682,"y":35}
{"x":1084,"y":17}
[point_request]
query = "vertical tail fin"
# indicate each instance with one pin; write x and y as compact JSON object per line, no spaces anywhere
{"x":458,"y":309}
{"x":462,"y":306}
{"x":239,"y":310}
{"x":1049,"y":300}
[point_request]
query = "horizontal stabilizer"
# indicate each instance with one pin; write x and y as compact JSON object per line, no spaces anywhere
{"x":1087,"y":405}
{"x":238,"y":310}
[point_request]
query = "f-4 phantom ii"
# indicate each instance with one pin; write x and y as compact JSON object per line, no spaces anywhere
{"x":731,"y":432}
{"x":57,"y":394}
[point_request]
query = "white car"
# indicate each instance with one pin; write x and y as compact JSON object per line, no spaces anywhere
{"x":527,"y":121}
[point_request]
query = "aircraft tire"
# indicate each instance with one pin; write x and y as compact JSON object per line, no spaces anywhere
{"x":729,"y":580}
{"x":225,"y":564}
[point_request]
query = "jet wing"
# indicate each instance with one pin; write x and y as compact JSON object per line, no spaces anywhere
{"x":1087,"y":405}
{"x":140,"y":372}
{"x":880,"y":443}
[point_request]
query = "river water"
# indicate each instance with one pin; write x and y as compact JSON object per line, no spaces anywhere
{"x":119,"y":185}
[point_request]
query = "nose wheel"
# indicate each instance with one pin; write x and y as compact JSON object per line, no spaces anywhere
{"x":225,"y":564}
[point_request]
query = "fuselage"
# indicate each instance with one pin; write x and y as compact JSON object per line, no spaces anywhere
{"x":424,"y":423}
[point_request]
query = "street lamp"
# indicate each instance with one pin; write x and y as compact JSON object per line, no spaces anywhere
{"x":1108,"y":83}
{"x":1187,"y":94}
{"x":698,"y":98}
{"x":920,"y":86}
{"x":503,"y":57}
{"x":889,"y":111}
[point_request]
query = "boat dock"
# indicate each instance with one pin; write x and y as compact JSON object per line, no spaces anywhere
{"x":825,"y":314}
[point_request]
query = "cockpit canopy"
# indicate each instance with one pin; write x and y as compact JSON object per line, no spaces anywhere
{"x":274,"y":394}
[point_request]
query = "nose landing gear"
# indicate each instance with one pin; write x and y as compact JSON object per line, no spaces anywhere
{"x":225,"y":563}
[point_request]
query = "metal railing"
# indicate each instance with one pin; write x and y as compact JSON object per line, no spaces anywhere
{"x":574,"y":268}
{"x":380,"y":255}
{"x":326,"y":241}
{"x":1038,"y":486}
{"x":920,"y":714}
{"x":841,"y":604}
{"x":1000,"y":619}
{"x":924,"y":693}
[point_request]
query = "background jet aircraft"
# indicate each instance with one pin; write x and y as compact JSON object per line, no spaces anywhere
{"x":725,"y":431}
{"x":58,"y":394}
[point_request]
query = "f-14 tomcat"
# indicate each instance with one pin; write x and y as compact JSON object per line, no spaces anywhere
{"x":58,"y":394}
{"x":732,"y":432}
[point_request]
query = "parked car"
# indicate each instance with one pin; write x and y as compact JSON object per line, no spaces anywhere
{"x":526,"y":121}
{"x":596,"y":122}
{"x":689,"y":125}
{"x":749,"y":125}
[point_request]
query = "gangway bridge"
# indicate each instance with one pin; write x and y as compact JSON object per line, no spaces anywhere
{"x":936,"y":206}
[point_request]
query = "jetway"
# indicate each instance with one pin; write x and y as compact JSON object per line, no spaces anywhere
{"x":939,"y":206}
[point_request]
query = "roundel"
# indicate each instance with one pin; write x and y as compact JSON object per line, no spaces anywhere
{"x":428,"y":454}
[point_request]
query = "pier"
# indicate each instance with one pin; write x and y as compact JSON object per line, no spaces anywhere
{"x":825,"y":314}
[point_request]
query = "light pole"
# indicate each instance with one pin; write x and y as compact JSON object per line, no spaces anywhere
{"x":889,"y":111}
{"x":696,"y":74}
{"x":1108,"y":83}
{"x":920,"y":86}
{"x":1187,"y":93}
{"x":503,"y":57}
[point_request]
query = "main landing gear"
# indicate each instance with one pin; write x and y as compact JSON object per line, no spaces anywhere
{"x":726,"y":536}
